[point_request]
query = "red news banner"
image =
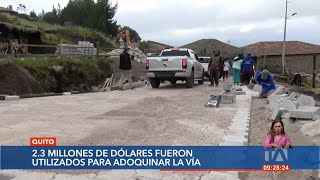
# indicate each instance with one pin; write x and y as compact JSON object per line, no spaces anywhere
{"x":43,"y":141}
{"x":276,"y":167}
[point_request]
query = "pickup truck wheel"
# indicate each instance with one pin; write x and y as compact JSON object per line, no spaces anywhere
{"x":190,"y":81}
{"x":173,"y":81}
{"x":202,"y":78}
{"x":155,"y":83}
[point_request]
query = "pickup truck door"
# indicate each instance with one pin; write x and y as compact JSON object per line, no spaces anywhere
{"x":197,"y":65}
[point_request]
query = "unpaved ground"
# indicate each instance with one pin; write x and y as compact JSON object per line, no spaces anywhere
{"x":170,"y":115}
{"x":259,"y":127}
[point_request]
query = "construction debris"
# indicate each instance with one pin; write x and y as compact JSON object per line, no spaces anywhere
{"x":296,"y":106}
{"x":137,"y":54}
{"x":108,"y":83}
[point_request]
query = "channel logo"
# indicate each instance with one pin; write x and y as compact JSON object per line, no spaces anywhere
{"x":276,"y":155}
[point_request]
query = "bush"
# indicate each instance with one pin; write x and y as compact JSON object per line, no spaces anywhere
{"x":76,"y":74}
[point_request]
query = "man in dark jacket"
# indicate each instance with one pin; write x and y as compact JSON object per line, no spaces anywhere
{"x":125,"y":68}
{"x":247,"y":65}
{"x":214,"y":67}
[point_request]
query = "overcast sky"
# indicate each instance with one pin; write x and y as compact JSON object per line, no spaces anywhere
{"x":239,"y":22}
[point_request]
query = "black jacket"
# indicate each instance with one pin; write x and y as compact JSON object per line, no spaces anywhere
{"x":125,"y":61}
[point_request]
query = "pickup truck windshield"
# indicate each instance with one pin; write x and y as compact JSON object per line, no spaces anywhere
{"x":175,"y":53}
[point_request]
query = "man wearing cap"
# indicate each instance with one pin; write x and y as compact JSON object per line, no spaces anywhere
{"x":125,"y":67}
{"x":265,"y":79}
{"x":214,"y":67}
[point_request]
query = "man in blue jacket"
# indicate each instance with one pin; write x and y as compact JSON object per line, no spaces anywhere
{"x":265,"y":79}
{"x":247,"y":65}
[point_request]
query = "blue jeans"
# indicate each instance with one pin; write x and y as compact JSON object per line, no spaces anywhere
{"x":236,"y":75}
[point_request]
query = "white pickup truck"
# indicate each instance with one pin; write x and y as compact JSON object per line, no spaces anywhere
{"x":175,"y":64}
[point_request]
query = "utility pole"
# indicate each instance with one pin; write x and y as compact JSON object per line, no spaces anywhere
{"x":284,"y":64}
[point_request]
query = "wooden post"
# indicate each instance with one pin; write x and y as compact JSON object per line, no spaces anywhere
{"x":60,"y":46}
{"x":98,"y":48}
{"x":314,"y":71}
{"x":11,"y":49}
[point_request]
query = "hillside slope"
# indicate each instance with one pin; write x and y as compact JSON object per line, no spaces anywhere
{"x":205,"y":47}
{"x":51,"y":32}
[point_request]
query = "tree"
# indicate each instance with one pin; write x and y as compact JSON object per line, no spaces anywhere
{"x":143,"y":45}
{"x":40,"y":15}
{"x":33,"y":14}
{"x":133,"y":34}
{"x":51,"y":17}
{"x":98,"y":15}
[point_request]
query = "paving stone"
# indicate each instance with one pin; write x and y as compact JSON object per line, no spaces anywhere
{"x":136,"y":85}
{"x":74,"y":177}
{"x":257,"y":88}
{"x":287,"y":105}
{"x":115,"y":174}
{"x":311,"y":128}
{"x":244,"y":120}
{"x":242,"y":127}
{"x":12,"y":173}
{"x":126,"y":86}
{"x":239,"y":123}
{"x":228,"y":96}
{"x":276,"y":113}
{"x":227,"y":143}
{"x":4,"y":177}
{"x":183,"y":176}
{"x":272,"y":99}
{"x":220,"y":176}
{"x":11,"y":98}
{"x":114,"y":88}
{"x":306,"y":113}
{"x":293,"y":96}
{"x":226,"y":102}
{"x":237,"y":133}
{"x":151,"y":174}
{"x":241,"y":118}
{"x":304,"y":100}
{"x":230,"y":138}
{"x":288,"y":121}
{"x":35,"y":176}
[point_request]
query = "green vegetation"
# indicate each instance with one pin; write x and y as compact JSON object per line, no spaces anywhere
{"x":76,"y":73}
{"x":51,"y":32}
{"x":143,"y":45}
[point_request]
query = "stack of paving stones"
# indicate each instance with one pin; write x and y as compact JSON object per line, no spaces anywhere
{"x":83,"y":48}
{"x":292,"y":106}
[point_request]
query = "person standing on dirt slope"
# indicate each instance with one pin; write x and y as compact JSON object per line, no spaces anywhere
{"x":266,"y":80}
{"x":277,"y":137}
{"x":214,"y":67}
{"x":125,"y":67}
{"x":247,"y":65}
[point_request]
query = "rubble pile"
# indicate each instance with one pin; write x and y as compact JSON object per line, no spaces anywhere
{"x":292,"y":107}
{"x":138,"y":55}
